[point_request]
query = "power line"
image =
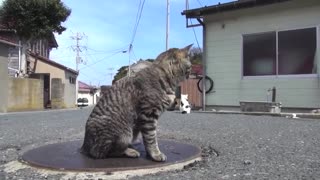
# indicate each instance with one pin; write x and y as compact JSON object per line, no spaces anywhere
{"x":104,"y":58}
{"x":97,"y":52}
{"x":195,"y":35}
{"x":199,"y":3}
{"x":138,"y":17}
{"x":108,"y":51}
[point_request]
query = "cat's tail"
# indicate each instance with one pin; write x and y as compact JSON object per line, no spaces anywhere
{"x":85,"y":148}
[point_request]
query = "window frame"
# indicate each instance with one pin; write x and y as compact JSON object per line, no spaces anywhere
{"x":277,"y":55}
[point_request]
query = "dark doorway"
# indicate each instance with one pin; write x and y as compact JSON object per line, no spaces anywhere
{"x":46,"y":91}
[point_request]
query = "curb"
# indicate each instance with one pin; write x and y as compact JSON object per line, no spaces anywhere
{"x":43,"y":111}
{"x":287,"y":115}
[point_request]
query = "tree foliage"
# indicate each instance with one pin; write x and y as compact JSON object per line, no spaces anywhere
{"x":122,"y":72}
{"x":34,"y":19}
{"x":196,"y":56}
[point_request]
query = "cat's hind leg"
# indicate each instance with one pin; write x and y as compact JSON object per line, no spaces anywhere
{"x":100,"y":151}
{"x":122,"y":147}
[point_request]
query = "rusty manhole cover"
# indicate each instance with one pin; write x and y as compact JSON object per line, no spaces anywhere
{"x":66,"y":156}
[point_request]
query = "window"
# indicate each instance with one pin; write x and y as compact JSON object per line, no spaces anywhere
{"x":259,"y":54}
{"x":72,"y":80}
{"x":297,"y":51}
{"x":280,"y":53}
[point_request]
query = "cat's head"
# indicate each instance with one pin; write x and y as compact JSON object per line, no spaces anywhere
{"x":177,"y":60}
{"x":184,"y":96}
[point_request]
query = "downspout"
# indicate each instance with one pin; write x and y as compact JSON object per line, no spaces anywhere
{"x":19,"y":57}
{"x":204,"y":57}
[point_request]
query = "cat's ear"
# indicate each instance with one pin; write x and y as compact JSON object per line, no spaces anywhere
{"x":187,"y":48}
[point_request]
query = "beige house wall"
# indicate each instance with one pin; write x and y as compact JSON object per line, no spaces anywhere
{"x":69,"y":91}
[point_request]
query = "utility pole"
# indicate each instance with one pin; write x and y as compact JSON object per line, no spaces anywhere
{"x":187,"y":4}
{"x":78,"y":48}
{"x":129,"y":68}
{"x":111,"y":72}
{"x":167,"y":25}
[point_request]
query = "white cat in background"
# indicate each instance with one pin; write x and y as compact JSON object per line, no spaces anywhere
{"x":184,"y":104}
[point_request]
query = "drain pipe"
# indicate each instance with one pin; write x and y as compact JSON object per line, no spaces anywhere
{"x":204,"y":57}
{"x":19,"y":57}
{"x":274,"y":93}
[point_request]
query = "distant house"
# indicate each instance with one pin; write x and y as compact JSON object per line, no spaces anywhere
{"x":17,"y":61}
{"x":141,"y":64}
{"x":33,"y":81}
{"x":92,"y":93}
{"x":251,"y":46}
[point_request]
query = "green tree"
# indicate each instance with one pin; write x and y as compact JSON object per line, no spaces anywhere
{"x":34,"y":19}
{"x":122,"y":72}
{"x":196,"y":56}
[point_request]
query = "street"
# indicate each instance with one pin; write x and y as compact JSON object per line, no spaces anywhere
{"x":233,"y":146}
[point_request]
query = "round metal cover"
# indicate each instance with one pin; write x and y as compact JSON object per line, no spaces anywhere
{"x":67,"y":156}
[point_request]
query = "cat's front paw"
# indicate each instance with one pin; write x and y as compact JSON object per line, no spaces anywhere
{"x":159,"y":157}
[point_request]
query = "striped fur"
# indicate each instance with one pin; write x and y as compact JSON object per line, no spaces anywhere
{"x":133,"y":106}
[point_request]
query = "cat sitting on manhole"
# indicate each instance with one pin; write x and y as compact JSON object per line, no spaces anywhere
{"x":134,"y":105}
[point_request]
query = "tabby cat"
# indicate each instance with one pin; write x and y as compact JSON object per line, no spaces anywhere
{"x":133,"y":106}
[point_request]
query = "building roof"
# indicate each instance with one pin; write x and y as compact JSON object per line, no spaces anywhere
{"x":5,"y":41}
{"x":83,"y":87}
{"x":229,"y":6}
{"x":52,"y":40}
{"x":53,"y":63}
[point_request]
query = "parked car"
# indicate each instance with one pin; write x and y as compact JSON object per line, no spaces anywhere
{"x":81,"y":102}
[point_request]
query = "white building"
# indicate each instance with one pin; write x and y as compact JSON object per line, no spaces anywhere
{"x":92,"y":93}
{"x":251,"y":46}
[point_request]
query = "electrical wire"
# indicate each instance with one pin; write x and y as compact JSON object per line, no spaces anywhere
{"x":138,"y":17}
{"x":195,"y":35}
{"x":199,"y":3}
{"x":104,"y":58}
{"x":108,"y":51}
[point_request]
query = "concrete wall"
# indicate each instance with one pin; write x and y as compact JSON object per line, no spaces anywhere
{"x":57,"y":94}
{"x":224,"y":54}
{"x":70,"y":90}
{"x":25,"y":94}
{"x":3,"y":77}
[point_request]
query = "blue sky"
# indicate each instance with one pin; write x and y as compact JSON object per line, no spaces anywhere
{"x":107,"y":29}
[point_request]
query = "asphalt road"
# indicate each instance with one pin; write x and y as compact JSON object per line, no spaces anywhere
{"x":233,"y":146}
